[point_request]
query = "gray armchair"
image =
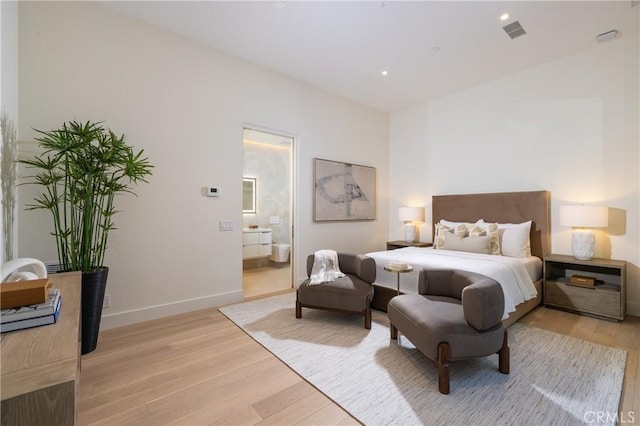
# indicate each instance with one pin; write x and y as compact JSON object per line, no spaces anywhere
{"x":352,"y":293}
{"x":456,"y":315}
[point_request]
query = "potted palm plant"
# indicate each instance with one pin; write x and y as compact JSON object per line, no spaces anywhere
{"x":81,"y":170}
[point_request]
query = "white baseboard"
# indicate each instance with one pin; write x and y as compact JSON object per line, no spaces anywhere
{"x":120,"y":319}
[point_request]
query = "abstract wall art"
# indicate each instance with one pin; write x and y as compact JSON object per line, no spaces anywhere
{"x":343,"y":191}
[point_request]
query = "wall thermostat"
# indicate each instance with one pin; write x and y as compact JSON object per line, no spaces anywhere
{"x":213,"y":191}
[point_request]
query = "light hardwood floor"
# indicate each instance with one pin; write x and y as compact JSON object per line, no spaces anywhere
{"x":266,"y":280}
{"x":199,"y":368}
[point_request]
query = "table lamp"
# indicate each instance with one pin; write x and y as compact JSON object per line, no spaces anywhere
{"x":410,"y":215}
{"x":581,"y":217}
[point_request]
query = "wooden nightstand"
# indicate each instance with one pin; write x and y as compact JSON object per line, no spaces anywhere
{"x":607,"y":299}
{"x":392,"y":245}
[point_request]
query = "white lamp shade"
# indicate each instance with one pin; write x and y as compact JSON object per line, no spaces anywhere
{"x":411,"y":214}
{"x":584,"y":216}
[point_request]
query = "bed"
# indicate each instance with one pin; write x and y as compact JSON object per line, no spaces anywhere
{"x":523,"y":293}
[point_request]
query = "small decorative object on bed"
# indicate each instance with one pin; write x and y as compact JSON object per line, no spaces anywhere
{"x":343,"y":191}
{"x":581,"y":217}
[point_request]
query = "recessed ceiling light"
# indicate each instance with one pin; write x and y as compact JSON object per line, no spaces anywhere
{"x":504,"y":16}
{"x":385,"y":72}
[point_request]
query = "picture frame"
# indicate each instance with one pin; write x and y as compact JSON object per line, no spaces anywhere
{"x":343,"y":191}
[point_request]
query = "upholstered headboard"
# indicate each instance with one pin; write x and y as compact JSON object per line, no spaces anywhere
{"x":502,"y":207}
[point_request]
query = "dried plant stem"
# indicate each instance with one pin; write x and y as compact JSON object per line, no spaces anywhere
{"x":9,"y":177}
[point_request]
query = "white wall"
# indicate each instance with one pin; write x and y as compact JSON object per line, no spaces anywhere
{"x":185,"y":105}
{"x":570,"y":126}
{"x":9,"y":92}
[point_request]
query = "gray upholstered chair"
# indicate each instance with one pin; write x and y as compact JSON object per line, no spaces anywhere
{"x":456,"y":315}
{"x":352,"y":293}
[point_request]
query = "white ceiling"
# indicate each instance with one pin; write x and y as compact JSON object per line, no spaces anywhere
{"x":343,"y":46}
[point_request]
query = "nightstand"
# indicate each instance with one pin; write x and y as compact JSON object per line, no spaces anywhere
{"x":605,"y":299}
{"x":392,"y":245}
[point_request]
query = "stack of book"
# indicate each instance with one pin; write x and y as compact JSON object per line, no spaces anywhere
{"x":32,"y":315}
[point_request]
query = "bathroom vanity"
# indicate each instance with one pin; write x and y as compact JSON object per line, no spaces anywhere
{"x":256,"y":243}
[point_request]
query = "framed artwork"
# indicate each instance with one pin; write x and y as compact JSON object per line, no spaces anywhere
{"x":343,"y":191}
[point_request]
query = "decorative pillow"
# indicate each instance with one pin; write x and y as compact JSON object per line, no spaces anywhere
{"x":491,"y":230}
{"x":514,"y":239}
{"x":453,"y":225}
{"x":441,"y":230}
{"x":476,"y":231}
{"x":469,"y":244}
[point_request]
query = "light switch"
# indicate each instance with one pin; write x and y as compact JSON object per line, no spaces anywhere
{"x":226,"y":225}
{"x":274,"y":220}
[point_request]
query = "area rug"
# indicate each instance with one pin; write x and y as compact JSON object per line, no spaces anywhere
{"x":555,"y":379}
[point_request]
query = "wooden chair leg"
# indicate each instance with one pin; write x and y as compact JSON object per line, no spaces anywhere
{"x":298,"y":309}
{"x":394,"y":331}
{"x":503,"y":355}
{"x":444,"y":356}
{"x":367,"y":317}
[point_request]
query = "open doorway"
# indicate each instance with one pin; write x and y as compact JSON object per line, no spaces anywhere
{"x":267,"y":212}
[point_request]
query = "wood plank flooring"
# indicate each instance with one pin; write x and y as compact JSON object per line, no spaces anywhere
{"x":266,"y":280}
{"x":199,"y":369}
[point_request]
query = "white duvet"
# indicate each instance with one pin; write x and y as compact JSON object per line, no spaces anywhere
{"x":512,"y":273}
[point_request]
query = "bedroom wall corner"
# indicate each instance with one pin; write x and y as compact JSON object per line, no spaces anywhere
{"x":538,"y":129}
{"x":408,"y":161}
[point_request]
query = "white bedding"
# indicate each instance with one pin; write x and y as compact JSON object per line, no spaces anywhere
{"x":515,"y":275}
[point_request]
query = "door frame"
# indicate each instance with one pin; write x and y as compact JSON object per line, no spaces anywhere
{"x":293,"y":201}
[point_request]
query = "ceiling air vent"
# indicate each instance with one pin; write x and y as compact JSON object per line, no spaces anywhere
{"x":514,"y":30}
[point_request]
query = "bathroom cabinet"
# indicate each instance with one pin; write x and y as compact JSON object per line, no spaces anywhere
{"x":256,"y":242}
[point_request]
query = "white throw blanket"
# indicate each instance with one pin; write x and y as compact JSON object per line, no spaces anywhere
{"x":325,"y":267}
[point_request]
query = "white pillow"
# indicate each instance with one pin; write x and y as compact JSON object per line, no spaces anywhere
{"x":480,"y":244}
{"x":514,"y":239}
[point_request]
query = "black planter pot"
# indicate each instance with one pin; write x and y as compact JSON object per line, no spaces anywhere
{"x":93,"y":286}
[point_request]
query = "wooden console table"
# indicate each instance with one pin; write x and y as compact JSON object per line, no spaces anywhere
{"x":41,"y":366}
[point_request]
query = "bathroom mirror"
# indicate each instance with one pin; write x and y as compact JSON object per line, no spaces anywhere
{"x":248,"y":195}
